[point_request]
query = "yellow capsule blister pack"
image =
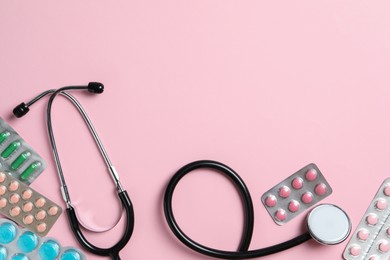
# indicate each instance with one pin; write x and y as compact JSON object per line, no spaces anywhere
{"x":17,"y":157}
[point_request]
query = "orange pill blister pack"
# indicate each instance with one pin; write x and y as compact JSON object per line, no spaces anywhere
{"x":26,"y":206}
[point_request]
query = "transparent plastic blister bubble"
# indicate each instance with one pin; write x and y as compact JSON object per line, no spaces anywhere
{"x":17,"y":157}
{"x":295,"y":194}
{"x":26,"y":206}
{"x":371,"y":239}
{"x":21,"y":244}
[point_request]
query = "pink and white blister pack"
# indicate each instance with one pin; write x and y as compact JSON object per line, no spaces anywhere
{"x":295,"y":194}
{"x":371,"y":239}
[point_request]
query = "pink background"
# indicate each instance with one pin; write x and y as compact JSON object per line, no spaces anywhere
{"x":265,"y":87}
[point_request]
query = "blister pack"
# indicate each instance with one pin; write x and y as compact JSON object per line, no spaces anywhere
{"x":295,"y":194}
{"x":17,"y":157}
{"x":371,"y":239}
{"x":26,"y":206}
{"x":21,"y":244}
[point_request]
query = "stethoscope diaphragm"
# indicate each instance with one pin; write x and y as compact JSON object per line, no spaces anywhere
{"x":328,"y":224}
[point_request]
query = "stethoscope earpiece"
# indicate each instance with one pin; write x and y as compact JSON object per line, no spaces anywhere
{"x":20,"y":110}
{"x":328,"y":224}
{"x":95,"y":87}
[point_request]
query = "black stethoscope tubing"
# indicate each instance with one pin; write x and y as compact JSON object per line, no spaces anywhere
{"x":242,"y":252}
{"x":114,"y":250}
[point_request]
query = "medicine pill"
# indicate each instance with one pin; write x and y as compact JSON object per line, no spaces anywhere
{"x":320,"y":189}
{"x":363,"y":234}
{"x":10,"y":149}
{"x":20,"y":160}
{"x":311,"y":175}
{"x":4,"y":136}
{"x":30,"y":170}
{"x":7,"y":233}
{"x":297,"y":183}
{"x":3,"y":190}
{"x":280,"y":214}
{"x":19,"y":257}
{"x":27,"y":242}
{"x":307,"y":197}
{"x":284,"y":192}
{"x":293,"y":206}
{"x":49,"y":250}
{"x":71,"y":254}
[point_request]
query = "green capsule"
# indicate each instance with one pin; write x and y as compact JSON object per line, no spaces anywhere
{"x":20,"y":160}
{"x":30,"y":169}
{"x":10,"y":149}
{"x":3,"y":136}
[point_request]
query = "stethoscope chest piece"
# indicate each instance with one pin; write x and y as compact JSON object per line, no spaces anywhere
{"x":328,"y":224}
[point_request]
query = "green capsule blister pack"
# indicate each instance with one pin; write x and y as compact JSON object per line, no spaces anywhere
{"x":17,"y":157}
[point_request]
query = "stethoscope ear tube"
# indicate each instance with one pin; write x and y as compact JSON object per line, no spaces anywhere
{"x":113,"y":251}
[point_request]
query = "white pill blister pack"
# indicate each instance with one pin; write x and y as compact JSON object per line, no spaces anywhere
{"x":371,"y":239}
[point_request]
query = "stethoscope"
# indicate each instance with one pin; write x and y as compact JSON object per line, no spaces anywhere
{"x":326,"y":223}
{"x":93,"y":87}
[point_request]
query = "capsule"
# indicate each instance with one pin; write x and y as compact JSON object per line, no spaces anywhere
{"x":20,"y":160}
{"x":30,"y":169}
{"x":4,"y":136}
{"x":10,"y":149}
